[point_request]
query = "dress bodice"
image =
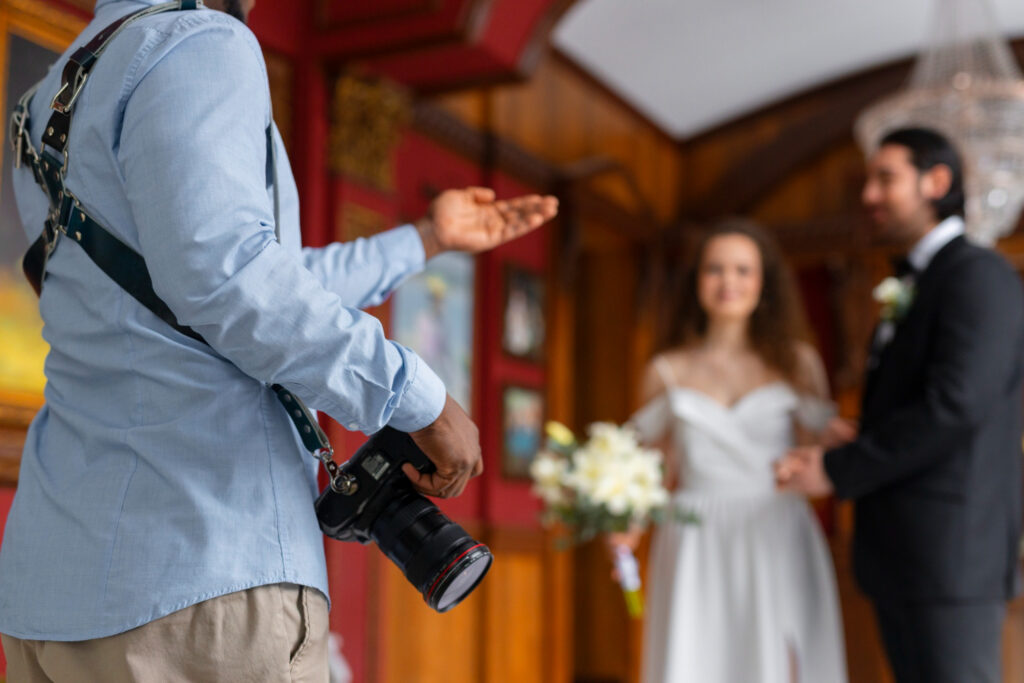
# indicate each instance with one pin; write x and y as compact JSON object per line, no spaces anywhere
{"x":728,"y":449}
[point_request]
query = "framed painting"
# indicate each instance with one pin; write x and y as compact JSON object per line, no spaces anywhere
{"x":523,"y":330}
{"x":432,"y":314}
{"x":522,"y":431}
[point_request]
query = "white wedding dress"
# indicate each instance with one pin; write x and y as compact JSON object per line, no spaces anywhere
{"x":736,"y":596}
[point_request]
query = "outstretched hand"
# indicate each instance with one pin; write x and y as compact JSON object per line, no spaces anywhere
{"x":471,"y":220}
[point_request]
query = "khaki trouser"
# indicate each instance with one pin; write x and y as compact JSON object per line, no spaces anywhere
{"x":275,"y":633}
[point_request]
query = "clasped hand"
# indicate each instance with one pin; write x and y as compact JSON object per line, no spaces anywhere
{"x":802,"y":469}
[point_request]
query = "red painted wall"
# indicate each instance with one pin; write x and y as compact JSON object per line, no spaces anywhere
{"x":6,"y":498}
{"x":423,"y":168}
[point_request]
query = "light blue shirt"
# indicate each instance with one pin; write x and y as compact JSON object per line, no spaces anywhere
{"x":162,"y":472}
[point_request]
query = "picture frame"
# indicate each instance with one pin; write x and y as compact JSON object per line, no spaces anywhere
{"x":522,"y":429}
{"x":432,"y":314}
{"x":523,"y":328}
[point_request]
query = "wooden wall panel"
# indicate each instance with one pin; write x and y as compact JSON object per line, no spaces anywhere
{"x":607,"y":645}
{"x":415,"y":643}
{"x":515,"y":615}
{"x":507,"y":631}
{"x":562,"y":117}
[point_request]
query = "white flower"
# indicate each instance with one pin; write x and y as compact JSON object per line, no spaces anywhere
{"x":887,"y":290}
{"x":610,"y":477}
{"x":611,"y":439}
{"x":548,"y":471}
{"x":895,"y":295}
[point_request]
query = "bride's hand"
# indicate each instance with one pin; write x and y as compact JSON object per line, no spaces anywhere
{"x":627,"y":539}
{"x":622,"y":539}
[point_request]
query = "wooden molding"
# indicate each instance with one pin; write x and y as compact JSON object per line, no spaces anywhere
{"x":329,"y":35}
{"x":44,"y":21}
{"x":802,"y":140}
{"x":833,"y":109}
{"x":450,"y":131}
{"x":584,"y":75}
{"x":569,"y":182}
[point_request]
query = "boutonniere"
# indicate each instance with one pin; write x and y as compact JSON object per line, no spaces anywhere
{"x":895,"y":295}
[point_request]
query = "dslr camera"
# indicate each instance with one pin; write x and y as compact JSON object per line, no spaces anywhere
{"x":371,"y":499}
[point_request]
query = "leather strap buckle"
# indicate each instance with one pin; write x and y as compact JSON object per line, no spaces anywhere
{"x":19,"y":136}
{"x":72,"y":82}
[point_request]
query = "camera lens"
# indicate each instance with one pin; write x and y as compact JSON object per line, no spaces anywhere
{"x":438,"y":557}
{"x":460,"y":578}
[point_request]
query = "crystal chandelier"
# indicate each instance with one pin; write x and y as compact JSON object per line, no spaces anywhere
{"x":967,"y":85}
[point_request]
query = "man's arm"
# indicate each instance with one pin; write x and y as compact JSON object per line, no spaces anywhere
{"x":366,"y":271}
{"x":975,"y":351}
{"x":193,"y":156}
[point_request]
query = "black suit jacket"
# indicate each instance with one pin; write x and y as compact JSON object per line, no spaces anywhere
{"x":936,"y":469}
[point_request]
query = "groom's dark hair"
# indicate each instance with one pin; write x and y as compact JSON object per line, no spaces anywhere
{"x":928,"y":149}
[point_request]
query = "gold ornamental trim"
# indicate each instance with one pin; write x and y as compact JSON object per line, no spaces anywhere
{"x":368,"y":118}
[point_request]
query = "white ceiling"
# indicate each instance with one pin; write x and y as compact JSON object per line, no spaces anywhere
{"x":692,"y":64}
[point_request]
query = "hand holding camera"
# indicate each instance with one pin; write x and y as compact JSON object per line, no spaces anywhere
{"x":370,"y":498}
{"x":452,"y":442}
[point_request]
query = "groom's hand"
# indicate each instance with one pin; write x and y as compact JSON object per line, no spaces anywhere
{"x":803,"y":470}
{"x":838,"y":432}
{"x":471,"y":220}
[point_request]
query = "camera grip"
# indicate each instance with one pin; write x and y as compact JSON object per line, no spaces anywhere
{"x":403,"y":448}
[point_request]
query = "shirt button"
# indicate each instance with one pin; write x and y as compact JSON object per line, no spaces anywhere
{"x":352,"y":426}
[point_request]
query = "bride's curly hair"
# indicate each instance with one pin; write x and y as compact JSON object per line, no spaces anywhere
{"x":776,"y":325}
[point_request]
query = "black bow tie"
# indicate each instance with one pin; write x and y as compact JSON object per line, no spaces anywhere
{"x":902,"y":267}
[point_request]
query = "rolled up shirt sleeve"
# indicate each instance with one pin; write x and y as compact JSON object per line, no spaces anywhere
{"x":193,"y":155}
{"x":364,"y":272}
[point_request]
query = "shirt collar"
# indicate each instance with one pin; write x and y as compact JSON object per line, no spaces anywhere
{"x":104,"y":3}
{"x":938,"y":237}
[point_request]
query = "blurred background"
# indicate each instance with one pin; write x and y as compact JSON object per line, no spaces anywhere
{"x":648,"y":119}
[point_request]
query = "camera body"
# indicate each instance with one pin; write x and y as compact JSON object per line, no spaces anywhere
{"x":366,"y":483}
{"x":371,"y":499}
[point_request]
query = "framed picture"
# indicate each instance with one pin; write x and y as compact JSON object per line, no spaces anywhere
{"x":522,"y":333}
{"x":522,"y":431}
{"x":432,"y":314}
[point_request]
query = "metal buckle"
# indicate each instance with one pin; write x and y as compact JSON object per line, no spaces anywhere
{"x":59,"y":102}
{"x":341,"y":484}
{"x":18,"y":134}
{"x":52,"y":230}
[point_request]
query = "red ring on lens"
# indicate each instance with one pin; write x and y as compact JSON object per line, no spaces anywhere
{"x":454,"y":562}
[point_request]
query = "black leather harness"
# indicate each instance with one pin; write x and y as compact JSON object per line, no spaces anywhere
{"x":68,"y":218}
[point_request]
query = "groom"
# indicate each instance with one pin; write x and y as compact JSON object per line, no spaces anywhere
{"x":935,"y":469}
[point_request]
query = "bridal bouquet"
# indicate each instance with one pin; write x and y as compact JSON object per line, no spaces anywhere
{"x":607,"y":484}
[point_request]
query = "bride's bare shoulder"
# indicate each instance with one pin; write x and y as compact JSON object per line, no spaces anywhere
{"x":666,"y":369}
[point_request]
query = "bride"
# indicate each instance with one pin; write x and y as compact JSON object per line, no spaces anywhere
{"x":747,"y":595}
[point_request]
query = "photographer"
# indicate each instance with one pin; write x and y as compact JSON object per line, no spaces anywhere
{"x":163,"y":526}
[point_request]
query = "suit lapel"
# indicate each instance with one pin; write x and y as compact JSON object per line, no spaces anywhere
{"x":924,"y":284}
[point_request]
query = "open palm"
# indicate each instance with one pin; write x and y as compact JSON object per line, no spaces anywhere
{"x":472,"y":220}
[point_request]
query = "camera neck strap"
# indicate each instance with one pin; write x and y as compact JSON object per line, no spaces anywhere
{"x":67,"y":217}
